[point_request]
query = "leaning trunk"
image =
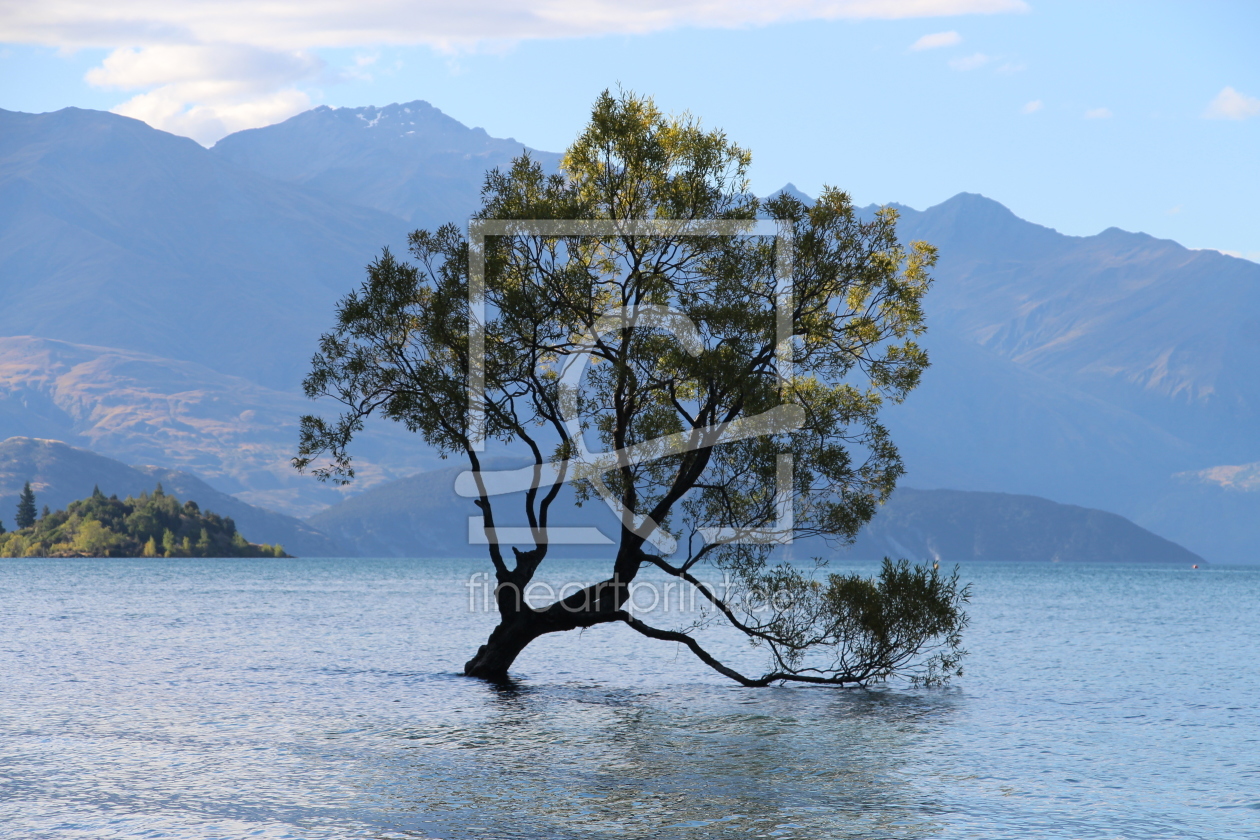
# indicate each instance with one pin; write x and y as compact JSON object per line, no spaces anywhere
{"x":520,"y":624}
{"x":495,"y":657}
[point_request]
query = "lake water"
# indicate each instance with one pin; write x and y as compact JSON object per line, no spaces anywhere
{"x":320,"y":699}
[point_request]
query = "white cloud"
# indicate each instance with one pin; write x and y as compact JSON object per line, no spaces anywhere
{"x":1098,"y":114}
{"x":306,"y":24}
{"x":206,"y":113}
{"x":207,"y":91}
{"x":1032,"y":107}
{"x":181,"y":54}
{"x":190,"y":64}
{"x":935,"y":40}
{"x":362,"y":69}
{"x":971,"y":62}
{"x":1229,"y":104}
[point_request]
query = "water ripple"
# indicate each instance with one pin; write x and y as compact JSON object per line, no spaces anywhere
{"x":320,"y":699}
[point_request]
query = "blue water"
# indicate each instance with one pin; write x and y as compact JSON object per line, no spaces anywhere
{"x":319,"y":699}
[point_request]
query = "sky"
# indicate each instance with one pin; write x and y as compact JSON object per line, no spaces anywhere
{"x":1076,"y":115}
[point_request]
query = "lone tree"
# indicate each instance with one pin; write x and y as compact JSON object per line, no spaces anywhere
{"x":26,"y":507}
{"x":729,"y":355}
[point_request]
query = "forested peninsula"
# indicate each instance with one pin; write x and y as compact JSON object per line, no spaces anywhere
{"x":153,"y":525}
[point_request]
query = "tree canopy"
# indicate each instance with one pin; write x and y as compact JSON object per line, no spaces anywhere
{"x":25,"y":517}
{"x":152,"y":525}
{"x":710,"y":365}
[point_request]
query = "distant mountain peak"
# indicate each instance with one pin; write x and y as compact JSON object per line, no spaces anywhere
{"x":396,"y":120}
{"x":408,"y":159}
{"x":791,"y":189}
{"x":417,"y":119}
{"x":973,"y":203}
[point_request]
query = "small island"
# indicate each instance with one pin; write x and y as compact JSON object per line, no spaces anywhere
{"x":153,"y":525}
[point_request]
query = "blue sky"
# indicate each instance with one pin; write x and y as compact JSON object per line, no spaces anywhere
{"x":1076,"y":115}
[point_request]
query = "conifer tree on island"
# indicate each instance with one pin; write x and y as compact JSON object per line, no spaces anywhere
{"x":26,"y":507}
{"x":646,"y":359}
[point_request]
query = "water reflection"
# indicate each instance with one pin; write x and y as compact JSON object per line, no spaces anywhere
{"x":685,"y":761}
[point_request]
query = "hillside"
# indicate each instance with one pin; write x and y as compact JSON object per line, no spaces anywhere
{"x":154,"y":525}
{"x":60,"y":474}
{"x":1168,"y":333}
{"x":409,"y":160}
{"x":422,"y":516}
{"x":118,"y":235}
{"x":955,"y":526}
{"x":1095,"y":370}
{"x":140,"y":408}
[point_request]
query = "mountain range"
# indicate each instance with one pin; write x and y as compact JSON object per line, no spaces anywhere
{"x":423,"y":515}
{"x":114,"y":234}
{"x":1169,"y":334}
{"x":921,"y":525}
{"x":1116,"y":371}
{"x":409,"y":160}
{"x":162,"y":302}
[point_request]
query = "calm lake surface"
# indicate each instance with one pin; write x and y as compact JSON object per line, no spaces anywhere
{"x":319,"y":699}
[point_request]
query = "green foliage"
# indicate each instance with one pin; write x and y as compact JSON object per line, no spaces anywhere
{"x":26,"y":507}
{"x":149,"y":526}
{"x":168,"y":543}
{"x":877,"y":628}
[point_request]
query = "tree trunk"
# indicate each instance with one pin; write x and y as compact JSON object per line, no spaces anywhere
{"x":520,"y":624}
{"x":506,"y":642}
